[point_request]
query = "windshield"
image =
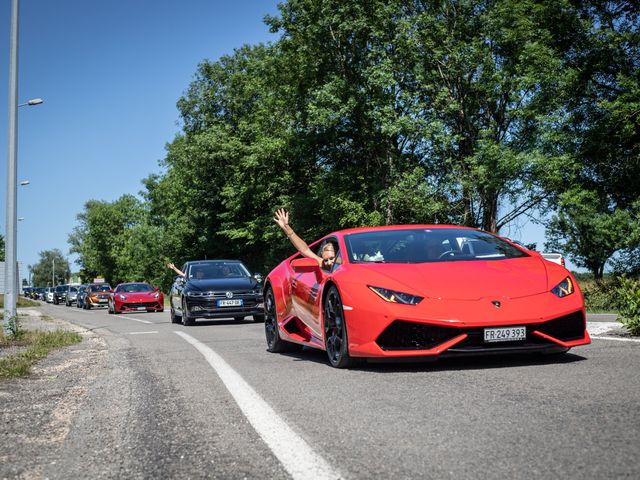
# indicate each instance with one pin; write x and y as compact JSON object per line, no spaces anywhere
{"x":134,"y":288}
{"x":427,"y":245}
{"x":214,"y":270}
{"x":100,"y":288}
{"x":73,"y":289}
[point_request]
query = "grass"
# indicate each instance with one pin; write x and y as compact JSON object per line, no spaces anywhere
{"x":21,"y":303}
{"x":35,"y":345}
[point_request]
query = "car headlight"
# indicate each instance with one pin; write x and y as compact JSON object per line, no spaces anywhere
{"x":394,"y":296}
{"x":193,"y":294}
{"x":157,"y":295}
{"x":564,"y":288}
{"x":122,"y":297}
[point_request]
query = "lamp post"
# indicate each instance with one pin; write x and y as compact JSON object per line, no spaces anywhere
{"x":11,"y":258}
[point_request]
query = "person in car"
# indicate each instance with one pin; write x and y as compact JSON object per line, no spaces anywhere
{"x":176,"y":269}
{"x":327,"y":251}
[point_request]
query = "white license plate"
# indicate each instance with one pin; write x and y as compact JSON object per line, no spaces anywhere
{"x":505,"y":334}
{"x":236,"y":302}
{"x":141,"y":308}
{"x":103,"y":301}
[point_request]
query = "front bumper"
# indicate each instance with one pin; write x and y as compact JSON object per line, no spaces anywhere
{"x":208,"y":308}
{"x":149,"y":306}
{"x":445,"y":328}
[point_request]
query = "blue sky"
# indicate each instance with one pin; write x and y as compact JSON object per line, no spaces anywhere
{"x":110,"y":73}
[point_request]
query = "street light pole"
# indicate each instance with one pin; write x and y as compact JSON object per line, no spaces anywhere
{"x":11,"y":237}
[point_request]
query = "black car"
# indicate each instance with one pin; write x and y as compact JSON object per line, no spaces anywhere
{"x":216,"y":289}
{"x":59,"y":294}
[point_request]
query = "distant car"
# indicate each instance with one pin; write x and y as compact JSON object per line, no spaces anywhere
{"x":82,"y":292}
{"x":216,"y":289}
{"x":48,"y":295}
{"x":97,"y":295}
{"x":422,"y":291}
{"x":554,"y":257}
{"x":136,"y":297}
{"x":71,"y":296}
{"x":59,"y":294}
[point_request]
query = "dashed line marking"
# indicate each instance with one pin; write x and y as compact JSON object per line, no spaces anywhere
{"x":142,"y":333}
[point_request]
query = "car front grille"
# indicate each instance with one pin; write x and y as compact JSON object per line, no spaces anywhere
{"x":405,"y":335}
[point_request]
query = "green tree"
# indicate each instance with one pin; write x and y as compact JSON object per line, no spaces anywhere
{"x":51,"y":269}
{"x":599,"y":216}
{"x":1,"y":248}
{"x":100,"y":234}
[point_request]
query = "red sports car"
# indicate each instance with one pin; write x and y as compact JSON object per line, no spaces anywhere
{"x":136,"y":297}
{"x":423,"y":291}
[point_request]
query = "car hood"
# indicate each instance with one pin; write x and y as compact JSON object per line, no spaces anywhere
{"x":462,"y":280}
{"x":231,"y":284}
{"x":138,"y":294}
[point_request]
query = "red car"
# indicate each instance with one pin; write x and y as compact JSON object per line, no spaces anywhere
{"x":423,"y":291}
{"x":136,"y":297}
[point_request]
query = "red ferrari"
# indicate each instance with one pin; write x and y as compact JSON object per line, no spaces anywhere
{"x":136,"y":297}
{"x":423,"y":291}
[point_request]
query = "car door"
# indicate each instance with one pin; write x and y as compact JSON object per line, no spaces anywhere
{"x":176,"y":290}
{"x":306,"y":291}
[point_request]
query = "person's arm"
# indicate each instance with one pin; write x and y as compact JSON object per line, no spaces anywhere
{"x":176,"y":269}
{"x":282,"y":220}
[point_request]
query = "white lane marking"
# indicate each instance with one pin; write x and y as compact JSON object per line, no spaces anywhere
{"x":618,"y":339}
{"x":134,"y":319}
{"x":293,"y":452}
{"x":142,"y":333}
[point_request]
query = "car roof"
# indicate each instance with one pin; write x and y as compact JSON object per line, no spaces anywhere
{"x":348,"y":231}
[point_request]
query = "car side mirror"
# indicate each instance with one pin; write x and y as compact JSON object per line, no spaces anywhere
{"x":302,"y":265}
{"x":156,"y":289}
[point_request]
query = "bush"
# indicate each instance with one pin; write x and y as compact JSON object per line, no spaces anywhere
{"x":629,"y":293}
{"x":600,"y":295}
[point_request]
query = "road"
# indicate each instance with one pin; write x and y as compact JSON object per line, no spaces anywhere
{"x":158,"y":400}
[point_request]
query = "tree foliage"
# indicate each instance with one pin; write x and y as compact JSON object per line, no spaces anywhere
{"x":51,"y":269}
{"x":474,"y":112}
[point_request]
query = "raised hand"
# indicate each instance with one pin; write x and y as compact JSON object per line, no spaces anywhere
{"x":282,"y":218}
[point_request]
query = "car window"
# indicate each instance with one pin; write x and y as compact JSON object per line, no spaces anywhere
{"x":134,"y":288}
{"x":428,"y":245}
{"x":217,"y":270}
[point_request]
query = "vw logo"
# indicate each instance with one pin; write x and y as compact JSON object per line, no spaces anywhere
{"x":229,"y":294}
{"x":496,"y":303}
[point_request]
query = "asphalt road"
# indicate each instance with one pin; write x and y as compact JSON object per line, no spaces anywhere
{"x":158,"y":400}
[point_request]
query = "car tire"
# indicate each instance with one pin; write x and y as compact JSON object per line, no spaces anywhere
{"x":187,"y":321}
{"x":88,"y":306}
{"x":174,"y":317}
{"x":335,"y":330}
{"x":275,"y":344}
{"x":258,"y":318}
{"x":111,"y":312}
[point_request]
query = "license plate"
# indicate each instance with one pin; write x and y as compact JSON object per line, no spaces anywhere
{"x":236,"y":302}
{"x":103,"y":301}
{"x":141,"y":308}
{"x":505,"y":334}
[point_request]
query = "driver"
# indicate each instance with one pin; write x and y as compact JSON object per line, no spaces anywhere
{"x":327,"y":251}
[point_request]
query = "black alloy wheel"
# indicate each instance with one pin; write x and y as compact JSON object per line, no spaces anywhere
{"x":274,"y":343}
{"x":335,"y":330}
{"x":187,"y":321}
{"x":174,"y":318}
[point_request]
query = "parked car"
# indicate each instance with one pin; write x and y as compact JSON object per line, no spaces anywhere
{"x":82,"y":292}
{"x":72,"y":295}
{"x":136,"y":297}
{"x":216,"y":289}
{"x":554,"y":257}
{"x":97,"y":295}
{"x":422,"y":291}
{"x":59,"y":294}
